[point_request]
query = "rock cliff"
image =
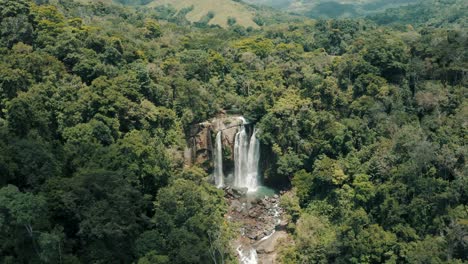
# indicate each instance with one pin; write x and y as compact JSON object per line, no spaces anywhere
{"x":199,"y":150}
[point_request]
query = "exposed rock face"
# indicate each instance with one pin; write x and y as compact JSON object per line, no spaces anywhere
{"x":200,"y":144}
{"x":199,"y":149}
{"x":261,"y":222}
{"x":267,"y":248}
{"x":259,"y":216}
{"x":229,"y":125}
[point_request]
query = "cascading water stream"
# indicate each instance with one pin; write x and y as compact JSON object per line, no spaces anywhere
{"x":246,"y":172}
{"x":246,"y":159}
{"x":252,"y":162}
{"x":247,"y":258}
{"x":218,"y":161}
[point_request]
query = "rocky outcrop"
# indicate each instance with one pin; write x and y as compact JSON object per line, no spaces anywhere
{"x":199,"y":150}
{"x":267,"y":248}
{"x":261,"y":221}
{"x":200,"y":145}
{"x":258,"y":216}
{"x":229,"y":125}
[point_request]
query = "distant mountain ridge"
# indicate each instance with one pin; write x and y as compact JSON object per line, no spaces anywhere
{"x":431,"y":13}
{"x":333,"y":8}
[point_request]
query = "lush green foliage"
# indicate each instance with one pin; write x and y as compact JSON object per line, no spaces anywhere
{"x":91,"y":131}
{"x":366,"y":124}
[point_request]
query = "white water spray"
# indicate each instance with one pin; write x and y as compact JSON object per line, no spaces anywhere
{"x":218,"y":161}
{"x":249,"y":258}
{"x":246,"y":159}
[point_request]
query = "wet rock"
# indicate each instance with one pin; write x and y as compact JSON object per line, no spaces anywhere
{"x":251,"y":236}
{"x":283,"y":223}
{"x":238,"y":192}
{"x":259,"y":219}
{"x":228,"y":193}
{"x":254,"y":213}
{"x":269,"y":245}
{"x":262,"y":223}
{"x":257,"y":201}
{"x":234,"y":192}
{"x":236,"y":205}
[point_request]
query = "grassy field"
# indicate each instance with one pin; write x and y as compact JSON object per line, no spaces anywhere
{"x":221,"y":8}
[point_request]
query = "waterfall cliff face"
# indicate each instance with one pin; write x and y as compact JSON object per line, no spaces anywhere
{"x":246,"y":159}
{"x":218,"y":161}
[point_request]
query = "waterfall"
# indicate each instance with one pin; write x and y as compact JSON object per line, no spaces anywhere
{"x":253,"y":160}
{"x":246,"y":159}
{"x":250,"y":258}
{"x":218,"y":161}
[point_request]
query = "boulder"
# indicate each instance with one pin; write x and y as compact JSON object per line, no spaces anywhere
{"x":254,"y":213}
{"x":237,"y":191}
{"x":269,"y":245}
{"x":228,"y":192}
{"x":237,"y":206}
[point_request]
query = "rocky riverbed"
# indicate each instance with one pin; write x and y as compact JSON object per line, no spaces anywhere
{"x":260,"y":225}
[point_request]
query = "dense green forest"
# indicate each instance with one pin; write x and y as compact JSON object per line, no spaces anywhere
{"x":364,"y":120}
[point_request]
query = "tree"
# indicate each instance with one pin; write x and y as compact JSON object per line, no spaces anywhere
{"x":303,"y":182}
{"x":13,"y":81}
{"x":329,"y":171}
{"x":27,"y":112}
{"x":231,"y":21}
{"x":143,"y":159}
{"x":372,"y":244}
{"x":35,"y":162}
{"x":187,"y":214}
{"x":101,"y":210}
{"x":13,"y":8}
{"x":364,"y":188}
{"x":22,"y":215}
{"x":388,"y":54}
{"x":370,"y":85}
{"x":315,"y":238}
{"x":16,"y":29}
{"x":152,"y":29}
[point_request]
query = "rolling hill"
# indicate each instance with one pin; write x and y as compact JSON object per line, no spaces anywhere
{"x":333,"y":8}
{"x":221,"y":11}
{"x":429,"y":13}
{"x":211,"y":12}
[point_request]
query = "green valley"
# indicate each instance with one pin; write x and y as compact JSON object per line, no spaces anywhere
{"x":202,"y":131}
